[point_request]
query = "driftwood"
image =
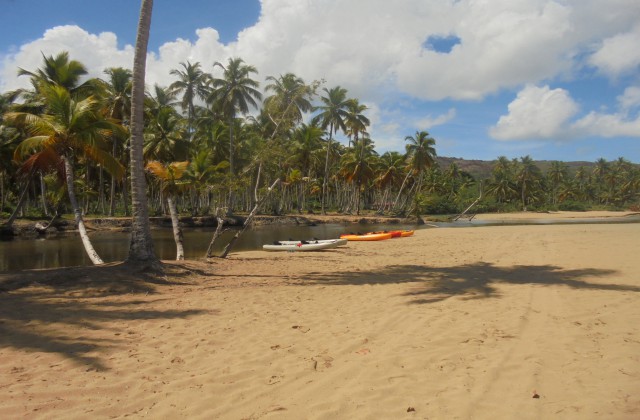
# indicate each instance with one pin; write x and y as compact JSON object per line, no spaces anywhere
{"x":248,"y":221}
{"x":42,"y":229}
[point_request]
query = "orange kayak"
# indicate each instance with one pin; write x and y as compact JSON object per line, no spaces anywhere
{"x":367,"y":236}
{"x":398,"y":233}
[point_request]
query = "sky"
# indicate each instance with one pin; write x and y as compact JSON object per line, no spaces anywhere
{"x":549,"y":79}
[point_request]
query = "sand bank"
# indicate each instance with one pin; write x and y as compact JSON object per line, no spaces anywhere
{"x":527,"y":322}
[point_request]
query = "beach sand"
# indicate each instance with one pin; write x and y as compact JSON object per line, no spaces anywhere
{"x":504,"y":322}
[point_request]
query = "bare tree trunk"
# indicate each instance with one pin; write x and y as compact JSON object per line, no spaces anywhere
{"x":177,"y":231}
{"x":88,"y":247}
{"x":217,"y":233}
{"x":248,"y":222}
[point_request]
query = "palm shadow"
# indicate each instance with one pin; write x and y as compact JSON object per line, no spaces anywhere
{"x":55,"y":311}
{"x":470,"y":281}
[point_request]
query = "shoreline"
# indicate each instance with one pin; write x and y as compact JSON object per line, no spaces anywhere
{"x":527,"y":321}
{"x":26,"y":228}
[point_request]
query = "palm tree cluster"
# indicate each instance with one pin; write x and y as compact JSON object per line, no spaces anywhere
{"x":214,"y":140}
{"x":521,"y":184}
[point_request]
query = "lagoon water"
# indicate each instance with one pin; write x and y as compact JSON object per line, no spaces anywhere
{"x":66,"y":250}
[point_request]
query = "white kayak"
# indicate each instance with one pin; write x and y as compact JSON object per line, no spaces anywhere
{"x":340,"y":242}
{"x":303,"y":245}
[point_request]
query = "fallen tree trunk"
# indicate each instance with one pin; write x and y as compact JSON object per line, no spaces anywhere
{"x":248,"y":222}
{"x":217,"y":233}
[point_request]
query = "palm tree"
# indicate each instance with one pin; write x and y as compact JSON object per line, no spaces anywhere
{"x":193,"y":84}
{"x":60,"y":71}
{"x":389,"y":175}
{"x":358,"y":165}
{"x":169,"y":175}
{"x":356,"y":122}
{"x":334,"y":113}
{"x":234,"y":93}
{"x":118,"y":101}
{"x":141,"y":245}
{"x":69,"y":128}
{"x":528,"y":178}
{"x":164,"y":137}
{"x":557,"y":175}
{"x":291,"y":98}
{"x":421,"y":155}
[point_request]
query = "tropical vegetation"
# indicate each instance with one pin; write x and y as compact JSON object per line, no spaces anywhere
{"x":74,"y":136}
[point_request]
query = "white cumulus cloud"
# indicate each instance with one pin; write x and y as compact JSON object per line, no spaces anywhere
{"x":536,"y":113}
{"x":542,"y":113}
{"x":618,"y":54}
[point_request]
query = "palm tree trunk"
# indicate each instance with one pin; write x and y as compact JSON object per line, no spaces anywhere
{"x":231,"y":168}
{"x":177,"y":231}
{"x":2,"y":195}
{"x":326,"y":170}
{"x":88,"y":247}
{"x":21,"y":200}
{"x":395,"y":203}
{"x":43,"y":196}
{"x":141,"y":244}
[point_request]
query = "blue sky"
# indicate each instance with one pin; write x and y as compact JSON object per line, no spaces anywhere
{"x":555,"y":80}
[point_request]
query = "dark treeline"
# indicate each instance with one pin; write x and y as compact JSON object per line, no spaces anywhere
{"x":216,"y":143}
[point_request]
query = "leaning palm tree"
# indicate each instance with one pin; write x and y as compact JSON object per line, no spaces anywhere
{"x":140,"y":245}
{"x":233,"y":94}
{"x":68,"y":129}
{"x":333,"y":114}
{"x":193,"y":84}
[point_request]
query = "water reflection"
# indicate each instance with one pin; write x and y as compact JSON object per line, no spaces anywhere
{"x":66,"y":250}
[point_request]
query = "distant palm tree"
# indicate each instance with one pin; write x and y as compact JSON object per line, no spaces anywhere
{"x":68,"y":128}
{"x":291,"y":98}
{"x":356,"y":122}
{"x":60,"y":71}
{"x":193,"y":84}
{"x":389,"y":176}
{"x":333,"y":114}
{"x":233,"y":94}
{"x":557,"y":175}
{"x":528,"y":178}
{"x":358,"y":166}
{"x":421,"y":155}
{"x":141,"y":245}
{"x":118,"y":101}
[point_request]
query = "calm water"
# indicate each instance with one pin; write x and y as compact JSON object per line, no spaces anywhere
{"x":66,"y":250}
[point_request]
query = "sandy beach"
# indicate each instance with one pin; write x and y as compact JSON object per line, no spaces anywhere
{"x":500,"y":322}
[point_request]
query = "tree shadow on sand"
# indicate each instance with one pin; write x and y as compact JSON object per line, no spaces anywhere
{"x":470,"y":281}
{"x":37,"y":308}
